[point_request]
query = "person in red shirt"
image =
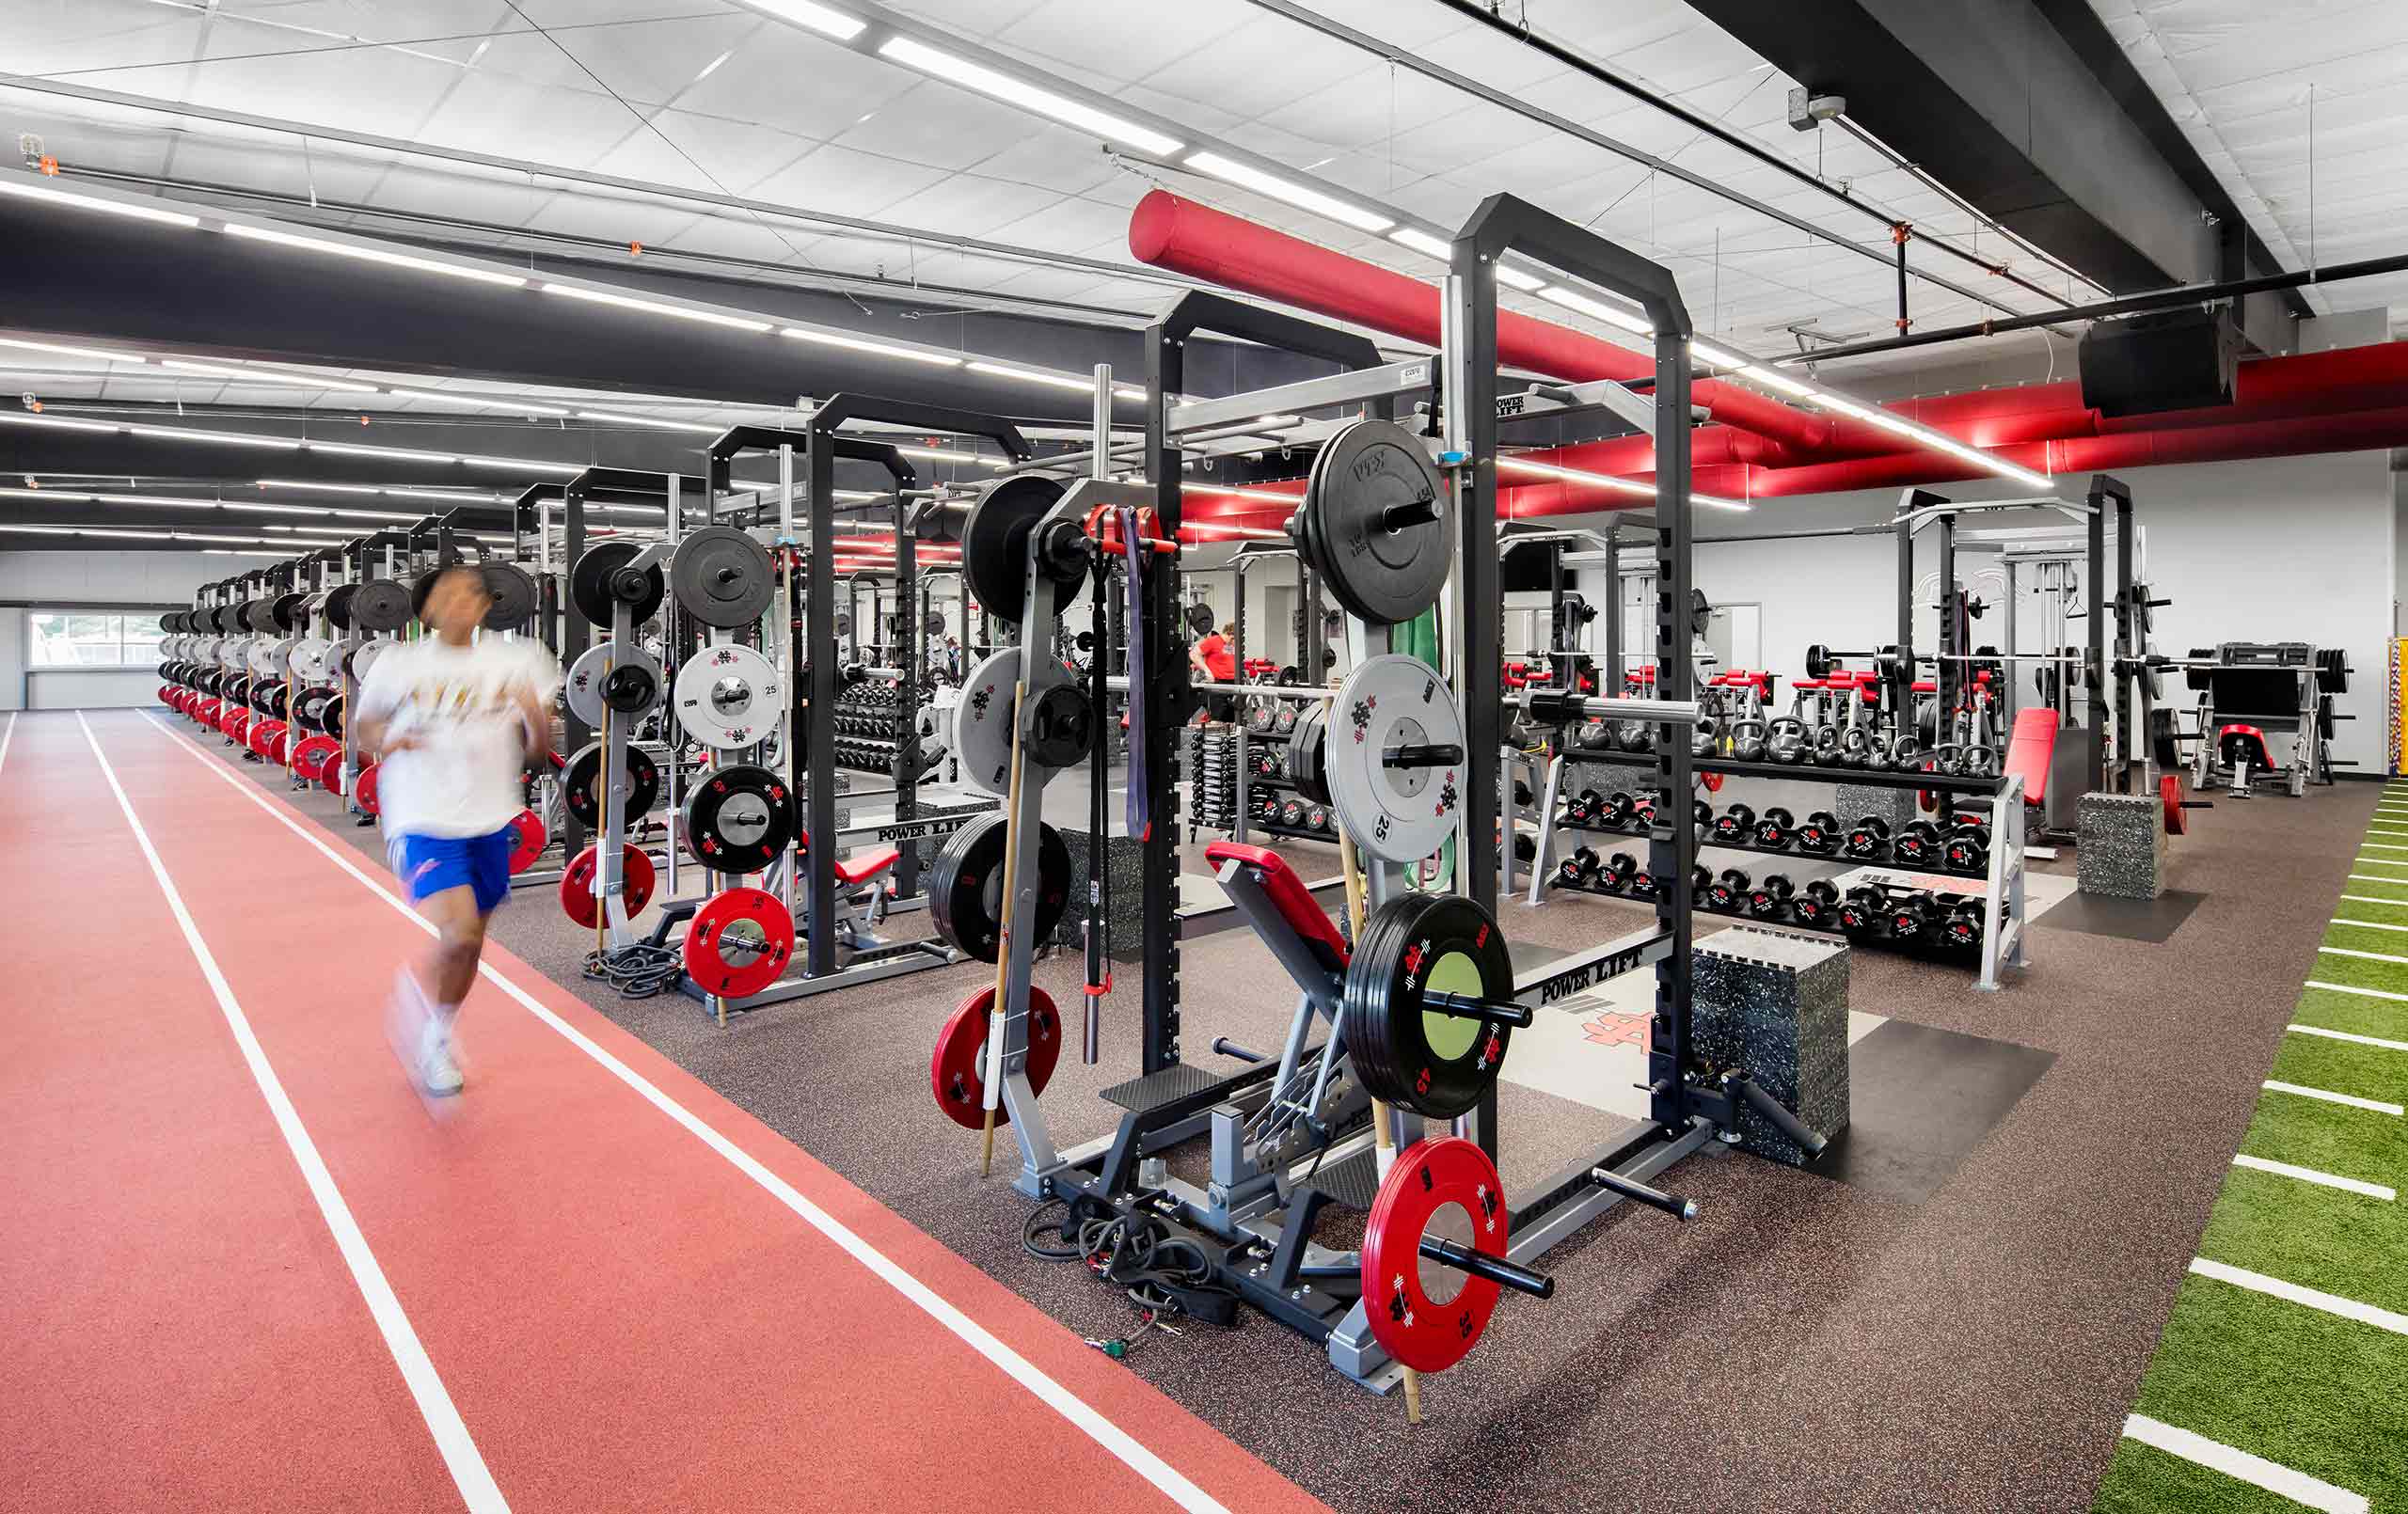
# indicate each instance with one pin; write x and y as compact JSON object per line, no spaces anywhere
{"x":1214,"y":660}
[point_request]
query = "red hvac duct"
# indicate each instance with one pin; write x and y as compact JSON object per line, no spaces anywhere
{"x":1196,"y":239}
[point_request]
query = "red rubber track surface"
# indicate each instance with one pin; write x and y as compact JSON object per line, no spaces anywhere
{"x":624,"y":1317}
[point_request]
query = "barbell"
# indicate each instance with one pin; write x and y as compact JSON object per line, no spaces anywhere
{"x":1821,"y":662}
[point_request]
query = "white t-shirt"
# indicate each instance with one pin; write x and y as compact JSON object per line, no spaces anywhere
{"x":461,"y":703}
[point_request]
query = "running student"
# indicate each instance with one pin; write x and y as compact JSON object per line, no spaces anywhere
{"x":452,"y":719}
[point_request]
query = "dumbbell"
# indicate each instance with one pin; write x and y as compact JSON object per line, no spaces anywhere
{"x":1734,"y":827}
{"x":1918,"y":843}
{"x":1869,"y":837}
{"x":1702,"y":814}
{"x":1644,"y":809}
{"x":1285,"y":720}
{"x":1613,"y":812}
{"x":1968,"y":847}
{"x":1727,"y":892}
{"x":1578,"y":868}
{"x":1617,"y":872}
{"x":1769,"y":899}
{"x":1642,"y":882}
{"x":1582,"y":809}
{"x":1317,"y":817}
{"x":1964,"y":926}
{"x":1860,"y":912}
{"x":1701,"y":881}
{"x":1291,"y":812}
{"x":1820,"y":833}
{"x":1909,"y":915}
{"x":1816,"y":906}
{"x":1775,"y":828}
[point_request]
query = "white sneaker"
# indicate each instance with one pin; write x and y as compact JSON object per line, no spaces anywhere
{"x":438,"y":1072}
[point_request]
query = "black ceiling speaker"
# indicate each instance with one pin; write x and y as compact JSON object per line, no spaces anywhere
{"x":2163,"y":360}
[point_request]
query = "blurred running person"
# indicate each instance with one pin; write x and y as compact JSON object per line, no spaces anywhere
{"x":453,"y":719}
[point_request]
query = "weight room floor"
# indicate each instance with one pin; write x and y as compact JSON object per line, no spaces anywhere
{"x":1814,"y":1341}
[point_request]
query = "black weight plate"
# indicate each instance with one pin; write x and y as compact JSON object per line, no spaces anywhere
{"x":1061,"y":728}
{"x":380,"y":604}
{"x":1435,"y":1065}
{"x":965,"y":888}
{"x":258,"y":614}
{"x":721,"y":577}
{"x":339,"y":605}
{"x":1306,"y":756}
{"x":630,"y":689}
{"x":995,"y":544}
{"x":219,"y":619}
{"x":1383,"y":575}
{"x":289,"y":612}
{"x":1199,"y":617}
{"x":167,"y":622}
{"x":589,"y":583}
{"x":2161,"y":739}
{"x":739,"y":818}
{"x":514,"y":596}
{"x":580,"y":783}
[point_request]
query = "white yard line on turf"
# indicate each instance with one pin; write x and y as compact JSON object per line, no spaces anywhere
{"x":2351,"y":1035}
{"x":452,"y":1438}
{"x":1172,"y":1483}
{"x":2368,"y":925}
{"x":2353,"y":988}
{"x":2363,"y":957}
{"x":2309,"y":1175}
{"x":2374,"y":1105}
{"x":2370,"y":899}
{"x":2257,"y":1471}
{"x":2380,"y":846}
{"x":2376,"y":861}
{"x":2274,"y":1288}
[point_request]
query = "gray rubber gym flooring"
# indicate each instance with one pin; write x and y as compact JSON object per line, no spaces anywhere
{"x":1955,"y":1315}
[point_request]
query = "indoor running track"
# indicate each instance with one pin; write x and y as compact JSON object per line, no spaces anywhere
{"x":246,"y":1267}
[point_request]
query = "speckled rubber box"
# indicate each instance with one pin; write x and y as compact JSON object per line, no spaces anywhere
{"x":1776,"y":1005}
{"x":2120,"y":845}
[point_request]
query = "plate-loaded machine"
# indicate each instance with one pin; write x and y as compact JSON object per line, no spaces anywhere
{"x":1420,"y":1012}
{"x":2252,"y":693}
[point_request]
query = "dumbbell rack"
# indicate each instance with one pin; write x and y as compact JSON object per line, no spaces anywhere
{"x":2004,"y":916}
{"x":1934,"y":948}
{"x":1793,"y":853}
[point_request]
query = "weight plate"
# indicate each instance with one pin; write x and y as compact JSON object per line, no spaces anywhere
{"x":313,"y":754}
{"x":994,"y":545}
{"x":363,"y":656}
{"x":1430,"y":1315}
{"x":958,"y":1072}
{"x":740,"y":942}
{"x":1436,"y":1064}
{"x":331,"y":717}
{"x":529,"y":836}
{"x":738,"y":819}
{"x":258,"y":614}
{"x":729,"y":697}
{"x":312,"y":659}
{"x":338,"y":605}
{"x":721,"y":577}
{"x":1383,"y":572}
{"x":168,"y":621}
{"x":581,"y":782}
{"x":260,"y":657}
{"x":363,"y":794}
{"x":590,"y":694}
{"x":514,"y":596}
{"x":982,"y":722}
{"x":578,"y":877}
{"x":966,"y":886}
{"x":1061,"y":728}
{"x":590,"y":583}
{"x":380,"y":604}
{"x":1399,"y":815}
{"x":1306,"y":754}
{"x":289,"y":612}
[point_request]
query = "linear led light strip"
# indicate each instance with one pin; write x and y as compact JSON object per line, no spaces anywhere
{"x":182,"y":502}
{"x":451,"y":495}
{"x":288,"y":444}
{"x":1607,"y":480}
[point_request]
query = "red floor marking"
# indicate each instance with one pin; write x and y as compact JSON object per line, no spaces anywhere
{"x":177,"y":1316}
{"x":623,"y":1318}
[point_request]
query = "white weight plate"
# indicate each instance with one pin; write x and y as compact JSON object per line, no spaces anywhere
{"x":312,"y":659}
{"x":729,"y":697}
{"x":1399,"y":815}
{"x":366,"y":654}
{"x":982,"y":723}
{"x":592,"y":665}
{"x":266,"y":658}
{"x":234,"y":652}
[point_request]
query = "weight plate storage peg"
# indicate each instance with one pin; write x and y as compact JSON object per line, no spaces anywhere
{"x":958,"y":1072}
{"x":584,"y":869}
{"x":1375,"y":522}
{"x":612,"y":677}
{"x":1393,"y":756}
{"x":1429,"y":1316}
{"x":602,"y":578}
{"x":728,"y":697}
{"x":738,"y":819}
{"x":721,"y":577}
{"x":995,"y":546}
{"x":740,"y":942}
{"x":966,"y":886}
{"x":582,"y":785}
{"x":1406,"y":1052}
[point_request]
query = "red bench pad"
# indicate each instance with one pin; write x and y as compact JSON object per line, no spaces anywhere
{"x":2029,"y":750}
{"x":1288,"y":892}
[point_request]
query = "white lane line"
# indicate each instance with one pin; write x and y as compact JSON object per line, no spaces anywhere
{"x":2366,"y":925}
{"x":2217,"y":1457}
{"x":1139,"y":1458}
{"x":2377,"y":862}
{"x":2349,"y":1036}
{"x":2387,"y":830}
{"x":2363,"y":957}
{"x":2380,"y":846}
{"x":2309,"y":1175}
{"x":2302,"y":1091}
{"x":2353,"y":988}
{"x":452,"y":1438}
{"x":2370,"y":899}
{"x":2332,"y":1303}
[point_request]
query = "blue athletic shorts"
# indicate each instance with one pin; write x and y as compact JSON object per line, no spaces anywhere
{"x":430,"y":864}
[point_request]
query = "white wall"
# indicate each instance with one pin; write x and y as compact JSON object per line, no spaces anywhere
{"x":96,"y":578}
{"x":2278,"y":549}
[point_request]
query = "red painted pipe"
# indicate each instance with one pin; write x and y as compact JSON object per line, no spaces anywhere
{"x":1196,"y":239}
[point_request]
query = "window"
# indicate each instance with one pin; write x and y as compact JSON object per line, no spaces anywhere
{"x":92,"y":638}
